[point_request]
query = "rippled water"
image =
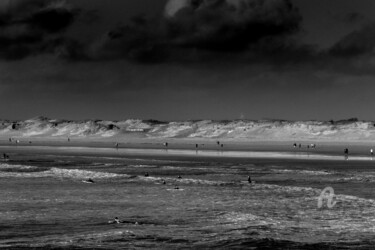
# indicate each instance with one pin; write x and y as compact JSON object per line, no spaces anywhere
{"x":46,"y":203}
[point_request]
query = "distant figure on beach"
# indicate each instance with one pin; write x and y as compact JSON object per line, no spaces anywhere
{"x":116,"y":145}
{"x":17,"y":141}
{"x":90,"y":180}
{"x":196,"y":145}
{"x":218,"y":143}
{"x":164,"y":182}
{"x":346,"y":151}
{"x":10,"y":139}
{"x":312,"y":145}
{"x":179,"y":177}
{"x":248,"y":179}
{"x":165,"y":144}
{"x":30,"y":142}
{"x":222,"y":145}
{"x":116,"y":220}
{"x":371,"y":151}
{"x":146,"y":174}
{"x":299,"y":145}
{"x":68,"y":139}
{"x":176,"y":187}
{"x":5,"y":156}
{"x":294,"y":145}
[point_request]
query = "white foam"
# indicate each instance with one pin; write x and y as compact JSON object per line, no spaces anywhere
{"x":64,"y":173}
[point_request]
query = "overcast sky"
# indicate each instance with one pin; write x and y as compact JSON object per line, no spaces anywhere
{"x":187,"y":59}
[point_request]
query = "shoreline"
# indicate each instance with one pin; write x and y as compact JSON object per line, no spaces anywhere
{"x":135,"y":151}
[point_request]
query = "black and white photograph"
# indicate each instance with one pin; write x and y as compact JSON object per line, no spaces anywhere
{"x":187,"y":124}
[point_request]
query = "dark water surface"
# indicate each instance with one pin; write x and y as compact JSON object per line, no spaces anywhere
{"x":45,"y":203}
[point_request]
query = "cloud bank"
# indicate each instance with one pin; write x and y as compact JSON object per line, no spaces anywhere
{"x":33,"y":27}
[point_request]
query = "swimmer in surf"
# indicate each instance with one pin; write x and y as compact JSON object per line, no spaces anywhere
{"x":248,"y":179}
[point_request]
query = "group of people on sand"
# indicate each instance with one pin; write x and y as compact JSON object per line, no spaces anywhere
{"x":15,"y":140}
{"x":165,"y":144}
{"x":311,"y":145}
{"x":346,"y":150}
{"x":5,"y":156}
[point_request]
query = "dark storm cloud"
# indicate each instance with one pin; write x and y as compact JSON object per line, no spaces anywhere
{"x":33,"y":27}
{"x":206,"y":29}
{"x":357,"y":43}
{"x":353,"y":17}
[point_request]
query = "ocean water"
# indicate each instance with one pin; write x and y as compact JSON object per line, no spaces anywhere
{"x":46,"y":203}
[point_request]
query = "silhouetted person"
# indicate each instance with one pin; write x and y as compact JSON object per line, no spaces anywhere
{"x":146,"y":174}
{"x":295,"y":145}
{"x":90,"y":180}
{"x":371,"y":152}
{"x":196,"y":145}
{"x":176,"y":187}
{"x":248,"y":179}
{"x":68,"y":139}
{"x":222,"y":145}
{"x":179,"y":177}
{"x":164,"y":182}
{"x":116,"y":145}
{"x":10,"y":139}
{"x":218,"y":143}
{"x":346,"y":151}
{"x":299,"y":145}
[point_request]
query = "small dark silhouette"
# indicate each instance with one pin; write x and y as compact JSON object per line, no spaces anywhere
{"x":68,"y":139}
{"x":371,"y":151}
{"x":222,"y":145}
{"x":248,"y":179}
{"x":10,"y":139}
{"x":146,"y":174}
{"x":176,"y":187}
{"x":196,"y":145}
{"x":218,"y":143}
{"x":90,"y":180}
{"x":164,"y":182}
{"x":179,"y":177}
{"x":299,"y":145}
{"x":116,"y":145}
{"x":346,"y":151}
{"x":295,"y":145}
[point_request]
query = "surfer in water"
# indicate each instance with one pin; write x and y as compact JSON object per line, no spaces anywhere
{"x":249,"y":179}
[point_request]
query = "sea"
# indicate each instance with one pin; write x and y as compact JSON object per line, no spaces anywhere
{"x":67,"y":201}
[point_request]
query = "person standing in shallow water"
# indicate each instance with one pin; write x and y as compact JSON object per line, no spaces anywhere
{"x":371,"y":152}
{"x":248,"y":179}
